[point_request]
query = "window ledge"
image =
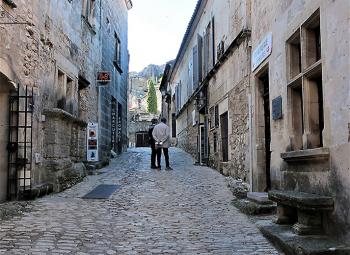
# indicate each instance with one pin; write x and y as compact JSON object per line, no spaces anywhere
{"x":305,"y":155}
{"x":117,"y":66}
{"x":62,"y":114}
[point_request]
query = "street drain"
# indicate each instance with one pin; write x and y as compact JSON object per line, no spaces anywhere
{"x":103,"y":191}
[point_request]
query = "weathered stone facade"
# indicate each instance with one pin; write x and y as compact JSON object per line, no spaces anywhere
{"x":279,"y":75}
{"x":55,"y":47}
{"x":215,"y":65}
{"x":314,"y":158}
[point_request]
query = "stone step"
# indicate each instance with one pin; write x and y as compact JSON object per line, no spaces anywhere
{"x":249,"y":207}
{"x":290,"y":243}
{"x":259,"y":197}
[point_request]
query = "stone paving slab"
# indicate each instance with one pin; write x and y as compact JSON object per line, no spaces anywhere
{"x":184,"y":211}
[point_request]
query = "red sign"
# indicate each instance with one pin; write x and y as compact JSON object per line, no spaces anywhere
{"x":104,"y":76}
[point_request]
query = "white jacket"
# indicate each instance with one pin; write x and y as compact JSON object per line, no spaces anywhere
{"x":161,"y":133}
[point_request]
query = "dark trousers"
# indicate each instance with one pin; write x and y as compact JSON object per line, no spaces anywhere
{"x":166,"y":155}
{"x":153,"y":155}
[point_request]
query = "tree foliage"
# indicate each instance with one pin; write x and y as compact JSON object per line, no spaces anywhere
{"x":151,"y":98}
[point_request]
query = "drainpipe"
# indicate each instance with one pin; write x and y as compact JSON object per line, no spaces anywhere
{"x":250,"y":119}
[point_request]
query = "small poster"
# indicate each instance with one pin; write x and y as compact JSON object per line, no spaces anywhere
{"x":92,"y":142}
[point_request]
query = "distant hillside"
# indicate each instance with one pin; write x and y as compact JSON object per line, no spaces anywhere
{"x":149,"y":72}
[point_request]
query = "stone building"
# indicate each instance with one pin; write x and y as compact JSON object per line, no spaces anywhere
{"x":300,"y":111}
{"x":209,"y":86}
{"x":260,"y":90}
{"x":50,"y":54}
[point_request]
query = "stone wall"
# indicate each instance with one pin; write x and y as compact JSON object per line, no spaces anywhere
{"x":58,"y":39}
{"x":65,"y":148}
{"x":312,"y":173}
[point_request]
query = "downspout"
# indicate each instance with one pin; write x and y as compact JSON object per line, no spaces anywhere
{"x":250,"y":119}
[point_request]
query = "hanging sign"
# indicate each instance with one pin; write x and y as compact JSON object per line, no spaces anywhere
{"x":262,"y":51}
{"x":103,"y":77}
{"x":92,"y":142}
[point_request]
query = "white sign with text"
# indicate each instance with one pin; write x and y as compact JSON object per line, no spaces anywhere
{"x":262,"y":51}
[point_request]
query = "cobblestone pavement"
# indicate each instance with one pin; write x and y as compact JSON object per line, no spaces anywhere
{"x":184,"y":211}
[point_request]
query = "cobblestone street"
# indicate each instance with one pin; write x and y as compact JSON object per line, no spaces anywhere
{"x":184,"y":211}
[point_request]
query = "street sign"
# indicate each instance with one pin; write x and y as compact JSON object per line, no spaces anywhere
{"x":262,"y":51}
{"x":92,"y":142}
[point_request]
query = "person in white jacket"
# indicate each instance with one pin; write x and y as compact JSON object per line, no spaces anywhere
{"x":161,"y":135}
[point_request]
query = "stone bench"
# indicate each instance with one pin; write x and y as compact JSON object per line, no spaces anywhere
{"x":304,"y":210}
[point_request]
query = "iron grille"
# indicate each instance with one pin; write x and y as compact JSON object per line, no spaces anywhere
{"x":20,"y":144}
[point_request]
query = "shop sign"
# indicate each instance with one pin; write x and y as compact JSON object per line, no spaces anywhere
{"x":119,"y":128}
{"x":262,"y":51}
{"x":114,"y":125}
{"x":92,"y":142}
{"x":104,"y":77}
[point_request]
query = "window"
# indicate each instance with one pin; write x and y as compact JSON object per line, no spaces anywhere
{"x":215,"y":141}
{"x":294,"y":52}
{"x":88,"y":10}
{"x":209,"y":47}
{"x":66,"y":91}
{"x":117,"y":53}
{"x":217,"y":116}
{"x":305,"y":90}
{"x":197,"y":62}
{"x":190,"y":79}
{"x":311,"y":40}
{"x":211,"y":115}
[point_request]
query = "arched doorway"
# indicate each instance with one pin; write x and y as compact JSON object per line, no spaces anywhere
{"x":6,"y":87}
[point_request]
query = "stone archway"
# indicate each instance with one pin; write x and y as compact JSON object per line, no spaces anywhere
{"x":6,"y":87}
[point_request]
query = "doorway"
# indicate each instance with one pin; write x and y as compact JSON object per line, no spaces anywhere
{"x":142,"y":139}
{"x":224,"y":136}
{"x":264,"y":132}
{"x":6,"y":89}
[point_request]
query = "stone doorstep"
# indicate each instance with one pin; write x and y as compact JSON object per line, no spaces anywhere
{"x":285,"y":239}
{"x":249,"y":207}
{"x":259,"y":197}
{"x":39,"y":191}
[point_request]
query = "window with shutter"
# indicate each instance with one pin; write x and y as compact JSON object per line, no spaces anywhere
{"x":212,"y":46}
{"x":206,"y":50}
{"x":190,"y":79}
{"x":211,"y":114}
{"x":200,"y":56}
{"x":217,"y":116}
{"x":195,"y":67}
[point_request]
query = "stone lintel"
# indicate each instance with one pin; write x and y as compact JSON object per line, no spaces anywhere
{"x":308,"y":154}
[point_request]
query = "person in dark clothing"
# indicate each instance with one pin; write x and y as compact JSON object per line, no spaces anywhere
{"x":152,"y":144}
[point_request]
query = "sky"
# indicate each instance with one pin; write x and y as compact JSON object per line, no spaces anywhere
{"x":156,"y":29}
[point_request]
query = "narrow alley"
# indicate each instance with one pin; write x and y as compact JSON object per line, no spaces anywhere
{"x":184,"y":211}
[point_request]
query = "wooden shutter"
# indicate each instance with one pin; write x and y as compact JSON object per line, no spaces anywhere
{"x":213,"y":40}
{"x":216,"y":115}
{"x":206,"y":51}
{"x":190,"y":80}
{"x":195,"y":67}
{"x":200,"y":56}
